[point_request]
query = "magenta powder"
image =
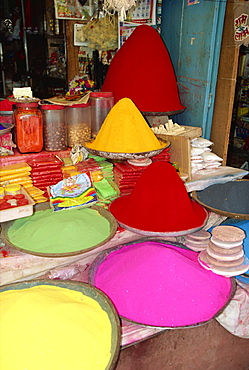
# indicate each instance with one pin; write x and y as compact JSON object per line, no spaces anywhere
{"x":159,"y":284}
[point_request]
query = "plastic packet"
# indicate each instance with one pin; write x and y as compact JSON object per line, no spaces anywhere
{"x":6,"y":141}
{"x":78,"y":154}
{"x":76,"y":191}
{"x":52,"y":171}
{"x":201,"y":142}
{"x":14,"y":168}
{"x":46,"y":162}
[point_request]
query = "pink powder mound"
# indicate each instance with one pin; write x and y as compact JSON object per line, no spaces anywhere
{"x":160,"y":284}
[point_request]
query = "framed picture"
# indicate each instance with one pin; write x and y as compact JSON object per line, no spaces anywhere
{"x":72,"y":9}
{"x":79,"y":39}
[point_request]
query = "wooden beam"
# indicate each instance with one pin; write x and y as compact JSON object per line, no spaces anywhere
{"x":225,"y":89}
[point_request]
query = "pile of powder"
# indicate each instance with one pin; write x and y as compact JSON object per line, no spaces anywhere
{"x":143,"y":55}
{"x":125,"y":131}
{"x":48,"y":327}
{"x":59,"y":232}
{"x":159,"y":202}
{"x":161,"y":284}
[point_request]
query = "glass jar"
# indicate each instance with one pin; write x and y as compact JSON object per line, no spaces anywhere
{"x":101,"y":103}
{"x":78,"y":119}
{"x":54,"y":127}
{"x":29,"y":127}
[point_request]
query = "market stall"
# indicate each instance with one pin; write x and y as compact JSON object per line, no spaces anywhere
{"x":114,"y":211}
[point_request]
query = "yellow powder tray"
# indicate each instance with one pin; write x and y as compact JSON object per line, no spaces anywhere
{"x":87,"y":291}
{"x":126,"y":156}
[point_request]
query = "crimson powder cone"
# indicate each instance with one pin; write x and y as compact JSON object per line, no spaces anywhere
{"x":142,"y":71}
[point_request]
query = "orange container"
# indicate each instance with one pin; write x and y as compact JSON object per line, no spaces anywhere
{"x":29,"y":127}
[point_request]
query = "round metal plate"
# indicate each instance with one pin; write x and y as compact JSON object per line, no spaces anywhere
{"x":230,"y":199}
{"x":125,"y":156}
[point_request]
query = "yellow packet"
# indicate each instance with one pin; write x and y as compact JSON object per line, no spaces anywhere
{"x":14,"y":176}
{"x":96,"y":176}
{"x":18,"y":180}
{"x":35,"y":191}
{"x":70,"y":173}
{"x":67,"y":161}
{"x":66,"y":168}
{"x":12,"y":168}
{"x":40,"y":199}
{"x":27,"y":185}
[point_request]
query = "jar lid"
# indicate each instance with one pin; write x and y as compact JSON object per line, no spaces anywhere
{"x":101,"y":94}
{"x":12,"y":187}
{"x":51,"y":106}
{"x":27,"y":105}
{"x":82,"y":105}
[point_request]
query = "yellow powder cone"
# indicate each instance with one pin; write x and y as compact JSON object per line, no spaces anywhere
{"x":125,"y":131}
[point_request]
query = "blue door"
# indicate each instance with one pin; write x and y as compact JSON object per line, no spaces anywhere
{"x":192,"y":35}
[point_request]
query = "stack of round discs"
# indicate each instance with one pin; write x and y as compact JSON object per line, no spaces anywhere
{"x":197,"y":241}
{"x":224,"y":254}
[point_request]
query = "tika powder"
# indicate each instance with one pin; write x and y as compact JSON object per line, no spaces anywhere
{"x":59,"y":232}
{"x":48,"y":327}
{"x":159,"y":202}
{"x":125,"y":131}
{"x":161,"y":284}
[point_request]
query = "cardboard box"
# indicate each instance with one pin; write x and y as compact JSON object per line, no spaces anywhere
{"x":18,"y":212}
{"x":180,"y":150}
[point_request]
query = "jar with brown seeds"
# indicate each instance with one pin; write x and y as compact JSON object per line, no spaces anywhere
{"x":78,"y":118}
{"x":55,"y":127}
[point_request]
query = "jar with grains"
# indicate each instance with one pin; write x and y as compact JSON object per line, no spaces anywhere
{"x":101,"y":103}
{"x":78,"y":118}
{"x":54,"y":127}
{"x":29,"y":127}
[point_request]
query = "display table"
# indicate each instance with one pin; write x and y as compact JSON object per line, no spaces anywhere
{"x":209,"y":346}
{"x":17,"y":266}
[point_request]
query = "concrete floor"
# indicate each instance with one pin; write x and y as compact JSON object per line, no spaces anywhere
{"x":207,"y":347}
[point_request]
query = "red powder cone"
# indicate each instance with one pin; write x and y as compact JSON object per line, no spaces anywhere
{"x":142,"y":71}
{"x":159,"y":203}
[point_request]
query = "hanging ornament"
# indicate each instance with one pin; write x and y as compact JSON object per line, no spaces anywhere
{"x":119,"y":6}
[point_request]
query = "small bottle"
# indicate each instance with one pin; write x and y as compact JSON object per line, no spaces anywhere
{"x":101,"y":103}
{"x":54,"y":127}
{"x":78,"y":118}
{"x":29,"y":127}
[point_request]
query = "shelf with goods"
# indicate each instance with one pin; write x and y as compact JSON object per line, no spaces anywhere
{"x":238,"y":151}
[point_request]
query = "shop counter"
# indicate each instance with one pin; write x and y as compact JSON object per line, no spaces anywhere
{"x":17,"y":266}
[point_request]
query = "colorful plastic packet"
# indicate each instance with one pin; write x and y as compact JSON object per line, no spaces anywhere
{"x":76,"y":191}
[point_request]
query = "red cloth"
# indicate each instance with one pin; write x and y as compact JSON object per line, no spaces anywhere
{"x":142,"y":71}
{"x":6,"y":105}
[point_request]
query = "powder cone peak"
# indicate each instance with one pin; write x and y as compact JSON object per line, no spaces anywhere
{"x":159,"y":202}
{"x":125,"y":130}
{"x":142,"y":71}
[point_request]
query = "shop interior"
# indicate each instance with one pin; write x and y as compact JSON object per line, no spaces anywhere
{"x":82,"y":170}
{"x":38,"y":58}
